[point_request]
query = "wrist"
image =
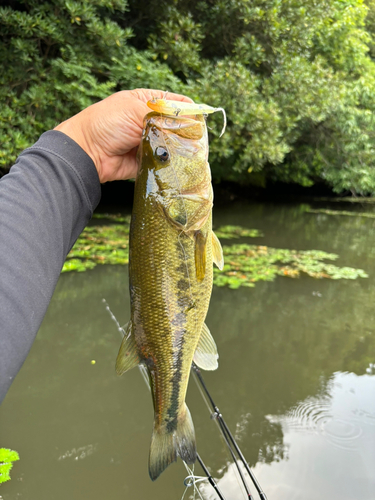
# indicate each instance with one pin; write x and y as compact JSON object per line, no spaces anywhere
{"x":72,"y":129}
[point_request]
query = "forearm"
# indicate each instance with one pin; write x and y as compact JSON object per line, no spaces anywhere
{"x":45,"y":202}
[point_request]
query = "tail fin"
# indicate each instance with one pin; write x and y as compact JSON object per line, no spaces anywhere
{"x":167,"y":445}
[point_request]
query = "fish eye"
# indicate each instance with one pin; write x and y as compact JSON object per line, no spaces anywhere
{"x":162,"y":154}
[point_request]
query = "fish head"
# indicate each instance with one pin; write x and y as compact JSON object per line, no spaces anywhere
{"x":175,"y":148}
{"x":173,"y":155}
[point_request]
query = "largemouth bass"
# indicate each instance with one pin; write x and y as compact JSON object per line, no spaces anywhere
{"x":172,"y":250}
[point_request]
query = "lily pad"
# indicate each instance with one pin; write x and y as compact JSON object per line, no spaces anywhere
{"x":107,"y":244}
{"x":245,"y":264}
{"x":113,"y":217}
{"x":325,"y":211}
{"x":230,"y":232}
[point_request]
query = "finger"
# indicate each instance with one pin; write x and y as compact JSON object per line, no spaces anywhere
{"x":147,"y":94}
{"x":141,"y":110}
{"x":129,"y":166}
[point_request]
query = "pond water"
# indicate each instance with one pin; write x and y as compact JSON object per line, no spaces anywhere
{"x":296,"y":380}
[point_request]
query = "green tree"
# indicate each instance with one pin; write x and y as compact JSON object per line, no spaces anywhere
{"x":296,"y":77}
{"x":57,"y":58}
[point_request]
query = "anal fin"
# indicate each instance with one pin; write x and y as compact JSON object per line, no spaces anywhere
{"x":206,"y":355}
{"x":127,"y":357}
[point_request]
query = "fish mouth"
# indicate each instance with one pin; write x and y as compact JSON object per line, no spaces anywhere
{"x":188,"y":127}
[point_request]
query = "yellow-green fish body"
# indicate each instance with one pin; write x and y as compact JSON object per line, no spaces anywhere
{"x":172,"y":249}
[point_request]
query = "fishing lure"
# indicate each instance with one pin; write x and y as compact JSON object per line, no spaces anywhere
{"x":176,"y":108}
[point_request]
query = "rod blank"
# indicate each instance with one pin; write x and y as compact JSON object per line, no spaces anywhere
{"x":229,"y":439}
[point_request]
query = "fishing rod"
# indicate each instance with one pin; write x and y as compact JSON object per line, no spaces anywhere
{"x":211,"y":480}
{"x":229,"y":439}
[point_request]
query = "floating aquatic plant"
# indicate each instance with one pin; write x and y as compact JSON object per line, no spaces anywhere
{"x":113,"y":217}
{"x":349,"y":199}
{"x":7,"y":457}
{"x":244,"y":264}
{"x":326,"y":211}
{"x":100,"y":244}
{"x":230,"y":232}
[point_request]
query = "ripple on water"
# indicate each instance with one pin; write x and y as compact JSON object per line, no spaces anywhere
{"x":316,"y":416}
{"x":366,"y":416}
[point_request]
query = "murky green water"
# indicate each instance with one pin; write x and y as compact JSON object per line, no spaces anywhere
{"x":295,"y":381}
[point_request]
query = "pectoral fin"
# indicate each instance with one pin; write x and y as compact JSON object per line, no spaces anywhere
{"x":217,"y":252}
{"x":200,"y":255}
{"x":206,"y":355}
{"x":127,"y":357}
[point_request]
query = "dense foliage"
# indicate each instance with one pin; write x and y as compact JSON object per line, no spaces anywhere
{"x":59,"y":57}
{"x":296,"y":77}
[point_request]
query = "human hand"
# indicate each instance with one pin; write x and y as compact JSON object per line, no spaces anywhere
{"x":110,"y":131}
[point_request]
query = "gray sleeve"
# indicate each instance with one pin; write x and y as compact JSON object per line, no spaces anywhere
{"x":46,"y":200}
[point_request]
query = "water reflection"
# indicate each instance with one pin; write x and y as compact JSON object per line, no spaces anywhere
{"x":295,"y":381}
{"x":331,"y":439}
{"x":329,"y":447}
